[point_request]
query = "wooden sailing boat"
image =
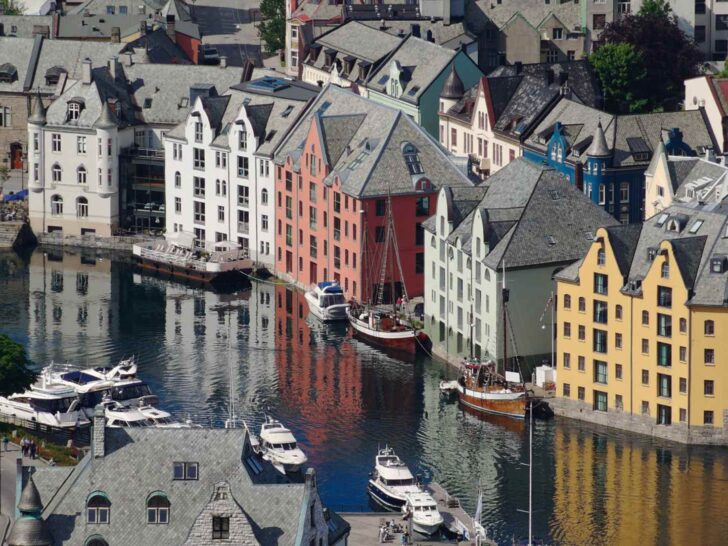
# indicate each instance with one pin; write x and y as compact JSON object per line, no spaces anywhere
{"x":372,"y":321}
{"x":483,"y":388}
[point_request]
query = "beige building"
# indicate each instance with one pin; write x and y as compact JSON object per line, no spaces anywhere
{"x":710,"y":94}
{"x":681,"y":179}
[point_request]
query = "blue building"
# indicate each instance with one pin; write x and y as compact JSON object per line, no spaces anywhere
{"x":606,"y":156}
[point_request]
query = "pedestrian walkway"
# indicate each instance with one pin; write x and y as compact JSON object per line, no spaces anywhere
{"x":8,"y":466}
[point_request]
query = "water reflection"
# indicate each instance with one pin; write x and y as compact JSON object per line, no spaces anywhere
{"x":342,"y":399}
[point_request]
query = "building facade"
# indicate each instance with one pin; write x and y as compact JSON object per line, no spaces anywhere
{"x":639,"y":323}
{"x":339,"y":170}
{"x":606,"y":156}
{"x":219,"y":164}
{"x":528,"y":225}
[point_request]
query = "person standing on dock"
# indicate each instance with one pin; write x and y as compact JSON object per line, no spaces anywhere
{"x":5,"y":442}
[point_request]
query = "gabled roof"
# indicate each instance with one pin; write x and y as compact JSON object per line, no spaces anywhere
{"x":534,"y":217}
{"x":140,"y":461}
{"x":366,"y":141}
{"x":624,"y":239}
{"x":422,"y":63}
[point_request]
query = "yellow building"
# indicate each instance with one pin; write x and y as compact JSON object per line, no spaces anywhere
{"x":640,"y":323}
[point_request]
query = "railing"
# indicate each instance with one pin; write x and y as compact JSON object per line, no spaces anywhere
{"x":150,"y":153}
{"x":243,"y":227}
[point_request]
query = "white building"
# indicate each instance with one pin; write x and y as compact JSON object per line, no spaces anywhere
{"x":73,"y":155}
{"x":529,"y":224}
{"x":219,"y":169}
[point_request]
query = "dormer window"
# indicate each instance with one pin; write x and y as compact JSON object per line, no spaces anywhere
{"x":158,"y":509}
{"x":198,"y":131}
{"x":98,"y":508}
{"x":8,"y":73}
{"x":412,"y":159}
{"x":53,"y":75}
{"x":651,"y":253}
{"x":243,"y":139}
{"x":185,"y":471}
{"x":74,"y":111}
{"x":717,"y":264}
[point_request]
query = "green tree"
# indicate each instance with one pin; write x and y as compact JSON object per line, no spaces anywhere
{"x":620,"y":71}
{"x":14,"y":373}
{"x":11,"y":7}
{"x":272,"y":27}
{"x":655,"y":7}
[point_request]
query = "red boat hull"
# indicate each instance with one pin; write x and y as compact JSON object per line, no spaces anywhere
{"x":510,"y":408}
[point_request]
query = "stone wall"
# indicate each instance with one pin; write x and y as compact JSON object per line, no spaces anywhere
{"x":18,"y":130}
{"x":222,"y":504}
{"x":91,"y":241}
{"x":641,"y":424}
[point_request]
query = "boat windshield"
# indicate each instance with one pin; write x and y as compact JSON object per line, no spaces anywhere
{"x":395,"y":483}
{"x":123,"y":392}
{"x":285,"y":447}
{"x":326,"y":300}
{"x":425,"y":508}
{"x":51,"y":405}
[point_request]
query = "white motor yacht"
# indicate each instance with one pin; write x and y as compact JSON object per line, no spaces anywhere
{"x":391,"y":482}
{"x":51,"y":405}
{"x":95,"y":385}
{"x":426,"y":518}
{"x":326,"y":301}
{"x":161,"y":418}
{"x":119,"y":416}
{"x":280,"y":448}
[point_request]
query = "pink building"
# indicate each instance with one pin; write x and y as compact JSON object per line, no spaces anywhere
{"x":334,"y":174}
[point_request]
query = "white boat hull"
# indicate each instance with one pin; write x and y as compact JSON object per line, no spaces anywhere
{"x":59,"y":420}
{"x":426,"y":528}
{"x":329,"y":314}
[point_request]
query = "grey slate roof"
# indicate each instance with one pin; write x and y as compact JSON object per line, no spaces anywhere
{"x":159,"y":48}
{"x":359,"y":40}
{"x":450,"y":35}
{"x":96,"y":27}
{"x":534,"y":12}
{"x":140,"y":461}
{"x":371,"y":163}
{"x":422,"y":62}
{"x":580,"y":123}
{"x":18,"y":52}
{"x":23,"y":26}
{"x":70,"y":54}
{"x":534,"y":217}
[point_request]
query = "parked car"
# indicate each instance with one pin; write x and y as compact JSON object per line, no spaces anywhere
{"x":209,"y":55}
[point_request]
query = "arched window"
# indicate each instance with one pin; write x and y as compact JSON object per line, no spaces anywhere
{"x":665,"y":270}
{"x":264,"y":197}
{"x":177,"y":180}
{"x":487,"y":274}
{"x":74,"y":111}
{"x":57,"y":172}
{"x":56,"y":205}
{"x":433,"y":242}
{"x":709,"y":328}
{"x":243,"y":142}
{"x":442,"y":225}
{"x":81,"y":175}
{"x":412,"y":159}
{"x":82,"y":207}
{"x":645,"y":318}
{"x":96,"y":540}
{"x":567,"y":301}
{"x":98,"y":508}
{"x":618,"y":312}
{"x":601,"y":257}
{"x":158,"y":509}
{"x":582,"y":305}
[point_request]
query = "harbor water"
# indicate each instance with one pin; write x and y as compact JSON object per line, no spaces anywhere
{"x":343,"y":399}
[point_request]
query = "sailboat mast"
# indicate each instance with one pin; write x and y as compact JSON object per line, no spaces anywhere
{"x":530,"y":476}
{"x":504,"y":296}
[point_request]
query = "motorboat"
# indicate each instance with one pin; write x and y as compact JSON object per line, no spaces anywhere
{"x":96,"y":385}
{"x":326,"y":301}
{"x":391,"y":482}
{"x":52,"y":405}
{"x":120,"y":416}
{"x":485,"y":390}
{"x":422,"y":508}
{"x":162,"y":419}
{"x":279,"y":447}
{"x":448,"y":388}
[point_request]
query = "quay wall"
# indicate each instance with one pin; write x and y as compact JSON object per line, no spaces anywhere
{"x":91,"y":241}
{"x":640,"y":424}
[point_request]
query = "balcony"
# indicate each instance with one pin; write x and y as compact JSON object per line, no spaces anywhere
{"x":243,"y":227}
{"x":243,"y":201}
{"x":145,"y":153}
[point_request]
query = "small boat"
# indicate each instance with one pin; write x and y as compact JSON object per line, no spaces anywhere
{"x":279,"y":447}
{"x":385,"y":329}
{"x":119,"y":416}
{"x":422,"y":508}
{"x":326,"y":301}
{"x":448,"y":388}
{"x":391,"y":482}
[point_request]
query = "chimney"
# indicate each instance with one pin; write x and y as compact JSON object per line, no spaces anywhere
{"x":170,"y":28}
{"x":41,"y":30}
{"x":86,"y":67}
{"x":223,"y":61}
{"x":113,"y":63}
{"x":430,"y":37}
{"x":519,"y":67}
{"x":415,"y":30}
{"x":710,"y":155}
{"x":549,"y":76}
{"x":127,"y":58}
{"x":563,"y":77}
{"x":99,"y":432}
{"x":143,"y":28}
{"x":115,"y":35}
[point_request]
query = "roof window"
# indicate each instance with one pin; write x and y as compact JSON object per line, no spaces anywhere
{"x":696,"y":226}
{"x":662,"y":219}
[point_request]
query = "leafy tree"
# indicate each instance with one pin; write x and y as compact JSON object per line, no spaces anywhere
{"x":14,"y":373}
{"x":11,"y":7}
{"x":620,"y":70}
{"x":272,"y":28}
{"x":668,"y":56}
{"x":655,"y":7}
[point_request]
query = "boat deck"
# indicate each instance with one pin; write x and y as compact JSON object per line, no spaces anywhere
{"x":365,"y":525}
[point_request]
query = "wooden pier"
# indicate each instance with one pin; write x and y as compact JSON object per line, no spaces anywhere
{"x":365,"y":525}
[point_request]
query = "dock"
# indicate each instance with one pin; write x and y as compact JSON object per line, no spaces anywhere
{"x":365,"y":525}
